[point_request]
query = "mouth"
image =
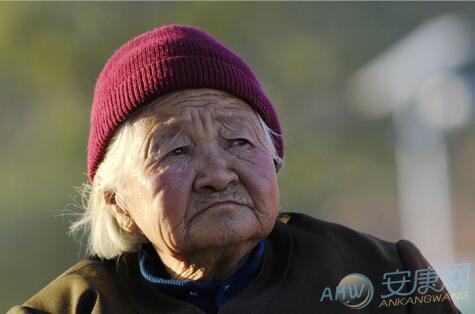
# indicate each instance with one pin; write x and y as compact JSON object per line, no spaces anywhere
{"x":224,"y":204}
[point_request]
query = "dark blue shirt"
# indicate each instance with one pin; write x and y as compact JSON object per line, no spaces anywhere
{"x":209,"y":296}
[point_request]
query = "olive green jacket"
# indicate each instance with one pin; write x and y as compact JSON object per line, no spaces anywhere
{"x":303,"y":257}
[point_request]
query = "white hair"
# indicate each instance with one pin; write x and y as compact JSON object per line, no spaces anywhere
{"x":103,"y":235}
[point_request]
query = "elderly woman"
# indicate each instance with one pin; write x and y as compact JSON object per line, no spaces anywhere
{"x":183,"y":155}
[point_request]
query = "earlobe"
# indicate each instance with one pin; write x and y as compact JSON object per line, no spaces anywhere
{"x":126,"y":222}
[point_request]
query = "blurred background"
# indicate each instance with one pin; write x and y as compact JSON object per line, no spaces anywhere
{"x":376,"y":101}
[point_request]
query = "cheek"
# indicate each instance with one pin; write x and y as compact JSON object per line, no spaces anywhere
{"x":171,"y":192}
{"x":173,"y":186}
{"x":259,"y":177}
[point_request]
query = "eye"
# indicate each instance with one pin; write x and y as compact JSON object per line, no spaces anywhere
{"x":178,"y":151}
{"x":239,"y":142}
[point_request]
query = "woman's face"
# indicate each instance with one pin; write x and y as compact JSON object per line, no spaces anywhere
{"x":204,"y":177}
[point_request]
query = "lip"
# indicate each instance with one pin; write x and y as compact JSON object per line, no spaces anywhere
{"x":224,"y":204}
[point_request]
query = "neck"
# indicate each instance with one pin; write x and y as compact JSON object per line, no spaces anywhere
{"x":208,"y":265}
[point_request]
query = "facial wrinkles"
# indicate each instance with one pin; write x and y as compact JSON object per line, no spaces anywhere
{"x":164,"y":196}
{"x":176,"y":105}
{"x":202,"y":116}
{"x":227,"y":126}
{"x":237,"y":192}
{"x":166,"y":231}
{"x":206,"y":130}
{"x":215,"y":127}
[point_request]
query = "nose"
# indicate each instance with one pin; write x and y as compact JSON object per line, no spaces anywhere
{"x":214,"y":173}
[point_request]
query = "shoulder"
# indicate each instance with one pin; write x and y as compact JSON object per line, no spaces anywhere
{"x":307,"y":228}
{"x":323,"y":253}
{"x":84,"y":287}
{"x":88,"y":273}
{"x":91,"y":270}
{"x":339,"y":243}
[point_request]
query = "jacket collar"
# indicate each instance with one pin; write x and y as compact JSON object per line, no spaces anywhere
{"x":256,"y":296}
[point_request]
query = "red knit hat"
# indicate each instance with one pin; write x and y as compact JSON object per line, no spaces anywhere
{"x":166,"y":59}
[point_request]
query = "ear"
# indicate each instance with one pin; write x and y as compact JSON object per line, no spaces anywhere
{"x":121,"y":215}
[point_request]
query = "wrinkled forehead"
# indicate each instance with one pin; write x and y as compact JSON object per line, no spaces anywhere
{"x":176,"y":109}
